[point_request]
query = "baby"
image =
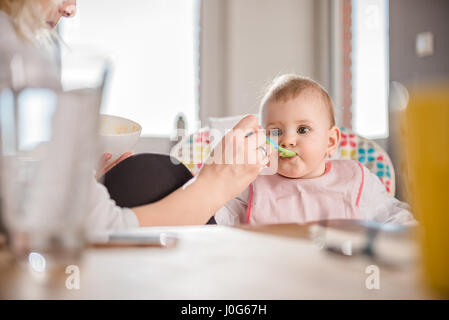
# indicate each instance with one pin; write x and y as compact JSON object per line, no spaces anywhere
{"x":298,"y":113}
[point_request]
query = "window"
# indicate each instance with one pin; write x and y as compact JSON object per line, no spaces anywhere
{"x":154,"y":48}
{"x":370,"y":68}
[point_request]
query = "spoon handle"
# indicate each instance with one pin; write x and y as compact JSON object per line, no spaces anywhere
{"x":274,"y":144}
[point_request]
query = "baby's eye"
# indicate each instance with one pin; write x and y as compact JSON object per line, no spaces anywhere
{"x":303,"y":130}
{"x":275,"y":132}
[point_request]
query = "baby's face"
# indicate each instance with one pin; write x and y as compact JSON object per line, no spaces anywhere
{"x":301,"y":124}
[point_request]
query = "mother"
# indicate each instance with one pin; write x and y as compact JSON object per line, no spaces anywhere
{"x":24,"y":24}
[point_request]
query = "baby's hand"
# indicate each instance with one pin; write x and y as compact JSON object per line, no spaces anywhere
{"x":104,"y":166}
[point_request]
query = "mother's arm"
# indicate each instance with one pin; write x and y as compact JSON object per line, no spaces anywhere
{"x":214,"y":185}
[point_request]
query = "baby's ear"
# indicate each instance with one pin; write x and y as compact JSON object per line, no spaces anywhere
{"x":334,"y":140}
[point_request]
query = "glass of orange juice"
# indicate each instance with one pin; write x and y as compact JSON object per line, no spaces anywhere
{"x":427,"y":149}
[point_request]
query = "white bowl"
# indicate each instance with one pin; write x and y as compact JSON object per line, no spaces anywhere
{"x":118,"y":135}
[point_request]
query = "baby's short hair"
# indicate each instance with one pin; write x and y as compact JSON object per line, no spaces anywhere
{"x":289,"y":86}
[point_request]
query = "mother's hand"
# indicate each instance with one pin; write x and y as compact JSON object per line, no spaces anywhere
{"x":104,"y":165}
{"x":232,"y":166}
{"x":237,"y":159}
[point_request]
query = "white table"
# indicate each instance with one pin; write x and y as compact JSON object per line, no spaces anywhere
{"x":216,"y":262}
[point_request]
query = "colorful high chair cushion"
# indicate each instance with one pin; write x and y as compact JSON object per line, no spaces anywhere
{"x":368,"y":153}
{"x":193,"y":150}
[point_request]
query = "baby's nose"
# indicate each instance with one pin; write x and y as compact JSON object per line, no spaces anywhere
{"x":288,"y":142}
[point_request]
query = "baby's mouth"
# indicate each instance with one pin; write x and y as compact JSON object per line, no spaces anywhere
{"x":289,"y":159}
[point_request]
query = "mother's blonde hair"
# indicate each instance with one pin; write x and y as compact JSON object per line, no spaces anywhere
{"x":29,"y":18}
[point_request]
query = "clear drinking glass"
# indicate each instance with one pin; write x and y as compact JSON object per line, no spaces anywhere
{"x":48,"y":148}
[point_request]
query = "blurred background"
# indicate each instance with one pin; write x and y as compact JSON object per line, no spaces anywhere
{"x":182,"y":62}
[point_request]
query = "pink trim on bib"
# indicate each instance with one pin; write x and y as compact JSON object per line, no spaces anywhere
{"x":361,"y":185}
{"x":327,"y":167}
{"x":250,"y":203}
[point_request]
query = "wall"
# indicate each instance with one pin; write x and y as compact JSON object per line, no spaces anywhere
{"x":265,"y":38}
{"x":407,"y":19}
{"x":245,"y":43}
{"x":212,"y":63}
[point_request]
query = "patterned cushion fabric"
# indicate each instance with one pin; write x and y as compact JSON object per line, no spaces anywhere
{"x":194,"y":150}
{"x":368,"y":153}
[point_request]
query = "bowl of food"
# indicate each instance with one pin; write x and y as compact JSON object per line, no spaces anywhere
{"x":118,"y":135}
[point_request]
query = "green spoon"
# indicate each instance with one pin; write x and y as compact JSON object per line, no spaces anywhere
{"x":285,"y":153}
